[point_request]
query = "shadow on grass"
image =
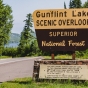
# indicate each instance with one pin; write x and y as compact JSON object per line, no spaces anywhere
{"x":20,"y":82}
{"x":48,"y":82}
{"x":31,"y":83}
{"x":64,"y":81}
{"x":1,"y":82}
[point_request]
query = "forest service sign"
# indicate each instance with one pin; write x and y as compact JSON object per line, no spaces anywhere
{"x":61,"y":29}
{"x":61,"y":18}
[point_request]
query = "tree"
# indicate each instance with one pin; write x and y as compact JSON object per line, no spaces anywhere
{"x":26,"y":35}
{"x":6,"y":20}
{"x":64,"y":5}
{"x":27,"y":31}
{"x":70,"y":4}
{"x":85,"y":5}
{"x":75,"y":4}
{"x":9,"y":51}
{"x":34,"y":49}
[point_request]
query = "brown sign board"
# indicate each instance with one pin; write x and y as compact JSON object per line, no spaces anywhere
{"x":62,"y":40}
{"x":61,"y":29}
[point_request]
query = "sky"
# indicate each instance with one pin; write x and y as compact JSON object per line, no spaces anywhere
{"x":22,"y":7}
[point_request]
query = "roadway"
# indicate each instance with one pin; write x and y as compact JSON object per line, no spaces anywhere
{"x":16,"y":68}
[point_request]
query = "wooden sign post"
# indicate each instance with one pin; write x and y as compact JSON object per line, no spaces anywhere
{"x":52,"y":56}
{"x":73,"y":55}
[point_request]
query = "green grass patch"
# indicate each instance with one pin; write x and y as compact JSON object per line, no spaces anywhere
{"x":69,"y":57}
{"x":29,"y":83}
{"x":59,"y":57}
{"x":5,"y":57}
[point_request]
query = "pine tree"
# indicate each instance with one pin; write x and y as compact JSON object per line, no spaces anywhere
{"x":26,"y":36}
{"x":70,"y":4}
{"x":34,"y":49}
{"x":64,"y":5}
{"x":75,"y":4}
{"x":78,"y":3}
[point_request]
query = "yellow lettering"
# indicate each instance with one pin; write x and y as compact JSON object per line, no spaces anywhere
{"x":71,"y":43}
{"x":51,"y":43}
{"x":50,"y":33}
{"x":75,"y":33}
{"x":63,"y":33}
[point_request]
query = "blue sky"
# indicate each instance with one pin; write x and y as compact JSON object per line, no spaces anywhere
{"x":22,"y":7}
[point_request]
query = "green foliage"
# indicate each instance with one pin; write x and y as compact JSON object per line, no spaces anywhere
{"x":6,"y":20}
{"x":29,"y":83}
{"x":82,"y":54}
{"x":34,"y":49}
{"x":10,"y":52}
{"x":26,"y":37}
{"x":75,"y":4}
{"x":85,"y":5}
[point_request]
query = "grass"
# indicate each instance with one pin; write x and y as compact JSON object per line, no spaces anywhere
{"x":65,"y":57}
{"x":5,"y":57}
{"x":29,"y":83}
{"x":59,"y":57}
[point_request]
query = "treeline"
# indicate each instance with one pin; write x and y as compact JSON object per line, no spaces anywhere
{"x":28,"y":45}
{"x":28,"y":50}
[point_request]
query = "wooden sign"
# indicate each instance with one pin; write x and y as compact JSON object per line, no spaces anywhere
{"x":61,"y":18}
{"x":61,"y":29}
{"x":62,"y":40}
